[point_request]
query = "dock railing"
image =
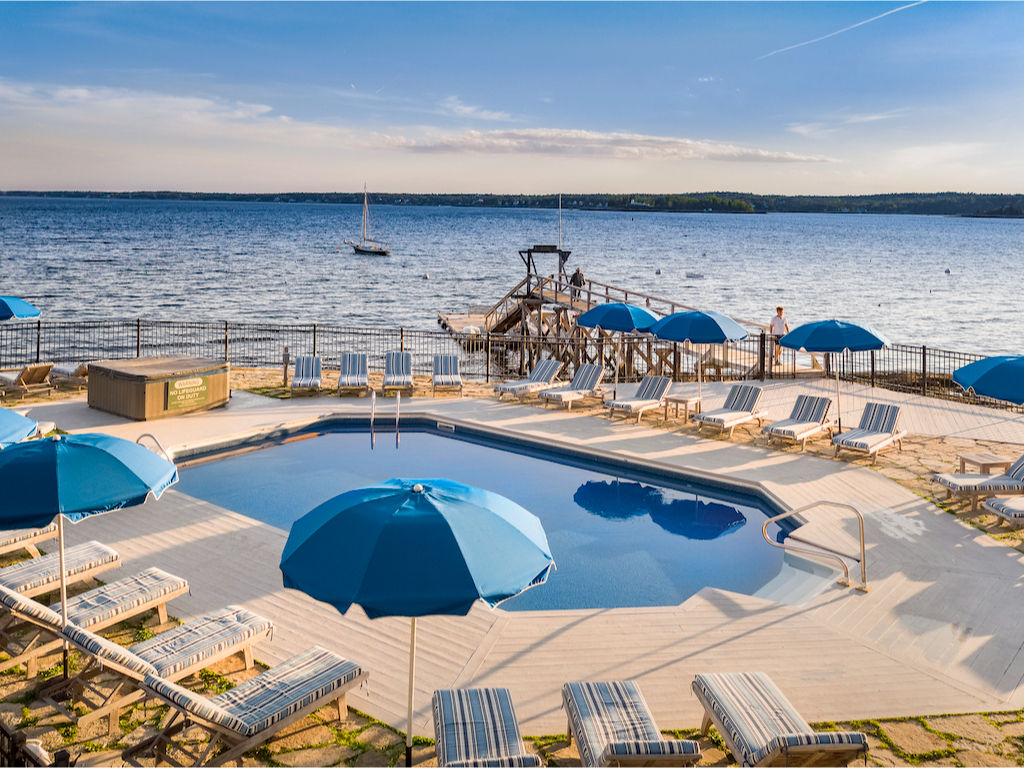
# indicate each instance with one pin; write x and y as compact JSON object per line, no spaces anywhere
{"x":484,"y":356}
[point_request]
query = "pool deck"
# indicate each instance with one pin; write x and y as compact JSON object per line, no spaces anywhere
{"x":937,"y":633}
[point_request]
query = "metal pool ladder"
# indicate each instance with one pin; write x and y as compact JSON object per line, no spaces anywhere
{"x":159,"y":445}
{"x":822,"y":551}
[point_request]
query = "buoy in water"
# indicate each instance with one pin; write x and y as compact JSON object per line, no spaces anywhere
{"x":426,"y":275}
{"x":948,"y":272}
{"x":657,"y":271}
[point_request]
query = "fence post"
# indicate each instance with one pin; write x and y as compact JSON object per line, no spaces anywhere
{"x":39,"y":335}
{"x":675,"y":361}
{"x":314,"y":339}
{"x":226,"y":357}
{"x":488,"y":374}
{"x":284,"y":361}
{"x":924,"y":370}
{"x":401,"y":339}
{"x":761,"y":357}
{"x":872,"y":369}
{"x":138,"y":337}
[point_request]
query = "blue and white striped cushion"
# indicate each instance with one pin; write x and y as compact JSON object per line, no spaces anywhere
{"x":1000,"y":484}
{"x":354,"y":371}
{"x":39,"y":572}
{"x":207,"y":637}
{"x":612,"y":719}
{"x":308,"y":372}
{"x":742,"y":397}
{"x":959,"y":483}
{"x":810,"y":408}
{"x":1009,"y":509}
{"x":545,"y":371}
{"x":878,"y":417}
{"x":446,"y":371}
{"x":122,"y":597}
{"x":10,"y":538}
{"x":397,"y":369}
{"x":108,"y":653}
{"x":1016,"y":470}
{"x":193,"y":704}
{"x":478,"y":727}
{"x":652,"y":388}
{"x":29,"y":609}
{"x":793,"y":429}
{"x":758,"y":718}
{"x":861,"y":439}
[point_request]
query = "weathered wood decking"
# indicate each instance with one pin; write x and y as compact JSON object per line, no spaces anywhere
{"x":937,"y":633}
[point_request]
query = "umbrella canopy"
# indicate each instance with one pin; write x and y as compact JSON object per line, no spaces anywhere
{"x":14,"y":307}
{"x":834,"y":336}
{"x":699,"y":328}
{"x":617,"y":317}
{"x":415,"y":548}
{"x":1001,"y":378}
{"x":14,"y":427}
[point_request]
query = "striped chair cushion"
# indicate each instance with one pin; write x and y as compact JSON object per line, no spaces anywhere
{"x":30,"y":575}
{"x":354,"y":371}
{"x":743,"y":397}
{"x":652,"y":388}
{"x":724,"y":417}
{"x":862,"y":439}
{"x":478,"y":727}
{"x":612,"y":719}
{"x":521,"y":387}
{"x":398,"y":369}
{"x":758,"y":718}
{"x":1008,"y":509}
{"x":587,"y":377}
{"x":308,"y":371}
{"x":878,"y":417}
{"x":207,"y":637}
{"x":446,"y":371}
{"x":965,"y":482}
{"x":793,"y":429}
{"x":809,"y":408}
{"x":10,"y":538}
{"x":1000,"y":484}
{"x":545,"y":371}
{"x":35,"y":612}
{"x":108,"y":653}
{"x":121,"y":597}
{"x":1016,"y":470}
{"x":260,"y":702}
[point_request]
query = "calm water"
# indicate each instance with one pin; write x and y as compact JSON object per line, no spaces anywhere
{"x":616,"y":542}
{"x":286,"y":263}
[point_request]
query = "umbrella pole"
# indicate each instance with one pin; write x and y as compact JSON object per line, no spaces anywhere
{"x":63,"y":588}
{"x":700,"y":375}
{"x":839,"y":403}
{"x":618,"y":362}
{"x":412,"y":685}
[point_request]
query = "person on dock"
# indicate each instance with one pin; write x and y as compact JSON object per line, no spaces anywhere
{"x":778,"y":327}
{"x":576,"y":281}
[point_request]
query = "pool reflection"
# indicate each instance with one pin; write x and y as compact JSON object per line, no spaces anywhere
{"x":689,"y":517}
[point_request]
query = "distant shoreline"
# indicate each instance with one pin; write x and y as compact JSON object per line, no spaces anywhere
{"x":934,"y":204}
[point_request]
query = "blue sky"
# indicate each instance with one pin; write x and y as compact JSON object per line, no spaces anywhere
{"x":513,"y":97}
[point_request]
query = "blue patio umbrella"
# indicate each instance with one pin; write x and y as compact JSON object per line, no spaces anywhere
{"x":834,"y":337}
{"x":14,"y":307}
{"x":699,"y":328}
{"x":415,"y":548}
{"x":624,"y":318}
{"x":1000,"y":377}
{"x":14,"y":427}
{"x":75,"y":476}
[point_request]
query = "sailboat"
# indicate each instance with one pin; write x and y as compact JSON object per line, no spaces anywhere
{"x":367,"y":246}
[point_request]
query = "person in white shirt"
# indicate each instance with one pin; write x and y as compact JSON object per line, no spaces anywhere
{"x":778,"y":327}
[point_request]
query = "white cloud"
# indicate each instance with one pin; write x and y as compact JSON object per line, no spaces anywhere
{"x":581,"y":143}
{"x":832,"y":124}
{"x":454,"y":106}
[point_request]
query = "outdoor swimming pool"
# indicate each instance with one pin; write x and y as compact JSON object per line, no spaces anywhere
{"x":619,"y":537}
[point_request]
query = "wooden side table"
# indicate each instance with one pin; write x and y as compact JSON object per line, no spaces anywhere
{"x":984,"y":461}
{"x":687,"y":401}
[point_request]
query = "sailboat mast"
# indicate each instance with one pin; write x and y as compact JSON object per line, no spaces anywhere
{"x":366,"y":212}
{"x":559,"y":222}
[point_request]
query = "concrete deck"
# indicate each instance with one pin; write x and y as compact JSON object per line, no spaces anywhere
{"x":937,"y":633}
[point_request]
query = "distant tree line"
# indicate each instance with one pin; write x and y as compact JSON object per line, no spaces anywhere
{"x":940,"y":203}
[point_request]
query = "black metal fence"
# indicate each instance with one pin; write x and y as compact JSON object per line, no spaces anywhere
{"x":485,"y":357}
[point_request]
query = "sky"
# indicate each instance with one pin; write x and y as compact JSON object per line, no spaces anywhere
{"x":523,"y":97}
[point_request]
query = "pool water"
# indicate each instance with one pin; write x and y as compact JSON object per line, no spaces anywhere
{"x":617,"y":541}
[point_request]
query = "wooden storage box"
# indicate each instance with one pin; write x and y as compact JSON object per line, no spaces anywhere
{"x":153,"y":387}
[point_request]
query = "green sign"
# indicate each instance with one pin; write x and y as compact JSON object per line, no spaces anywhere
{"x":187,"y":393}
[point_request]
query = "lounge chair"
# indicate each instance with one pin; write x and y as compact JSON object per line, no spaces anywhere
{"x":308,"y":373}
{"x":169,"y":656}
{"x":93,"y":610}
{"x":353,"y":373}
{"x":808,"y":418}
{"x":31,"y":378}
{"x":740,"y":407}
{"x":879,"y":428}
{"x":1008,"y":509}
{"x":975,"y":486}
{"x":761,"y":727}
{"x":71,"y":373}
{"x":586,"y":383}
{"x":446,"y":373}
{"x":14,"y":427}
{"x":42,"y":574}
{"x":541,"y":377}
{"x":397,"y":372}
{"x":478,"y":726}
{"x":251,"y":712}
{"x":613,"y":726}
{"x":27,"y":539}
{"x":650,"y":394}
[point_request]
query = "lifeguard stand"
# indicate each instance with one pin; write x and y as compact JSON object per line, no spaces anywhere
{"x":531,"y":265}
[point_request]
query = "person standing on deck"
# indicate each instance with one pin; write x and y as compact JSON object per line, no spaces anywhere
{"x":778,"y":327}
{"x":576,"y":280}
